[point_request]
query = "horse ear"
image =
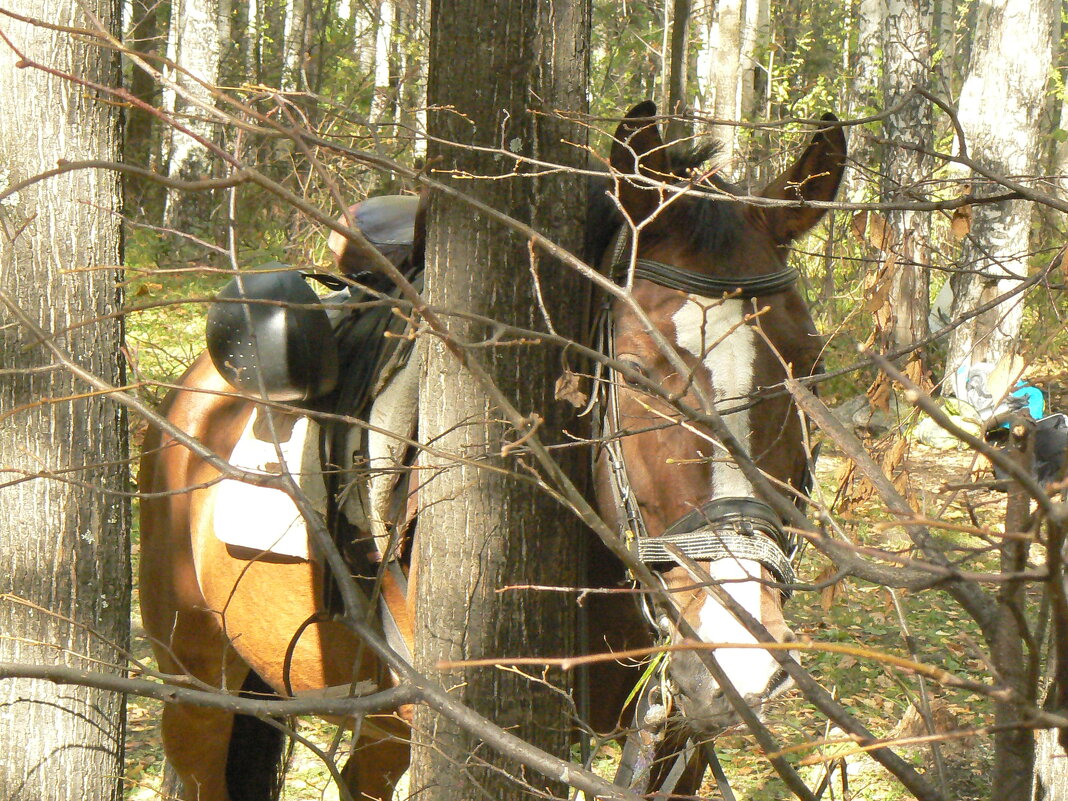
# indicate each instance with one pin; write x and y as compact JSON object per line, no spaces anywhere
{"x":639,"y":150}
{"x":814,"y":176}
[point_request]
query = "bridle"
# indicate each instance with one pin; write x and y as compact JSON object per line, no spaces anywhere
{"x":721,"y":528}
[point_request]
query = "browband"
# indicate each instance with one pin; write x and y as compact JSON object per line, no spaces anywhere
{"x":707,"y":285}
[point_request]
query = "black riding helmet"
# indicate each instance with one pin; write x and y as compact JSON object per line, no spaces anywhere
{"x":282,"y":339}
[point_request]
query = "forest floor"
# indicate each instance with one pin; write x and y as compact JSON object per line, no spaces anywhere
{"x":881,"y":698}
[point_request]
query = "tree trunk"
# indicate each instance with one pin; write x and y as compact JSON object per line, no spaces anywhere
{"x":907,"y":59}
{"x":1050,"y":782}
{"x":1014,"y":747}
{"x":64,"y":524}
{"x":413,"y":83}
{"x":382,"y":103}
{"x":999,"y":110}
{"x":480,"y":531}
{"x":865,"y":99}
{"x":678,"y":65}
{"x":755,"y":29}
{"x":141,"y":143}
{"x":250,"y":43}
{"x":293,"y":32}
{"x":200,"y":30}
{"x":719,"y":72}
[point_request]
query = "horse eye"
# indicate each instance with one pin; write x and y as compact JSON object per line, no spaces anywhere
{"x":635,"y":366}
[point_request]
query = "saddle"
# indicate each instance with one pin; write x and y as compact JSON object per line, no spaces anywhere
{"x":270,"y":335}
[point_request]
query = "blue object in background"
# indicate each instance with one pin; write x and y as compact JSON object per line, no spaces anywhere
{"x":1036,"y":404}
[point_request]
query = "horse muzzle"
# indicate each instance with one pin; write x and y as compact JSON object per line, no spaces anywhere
{"x":705,"y":708}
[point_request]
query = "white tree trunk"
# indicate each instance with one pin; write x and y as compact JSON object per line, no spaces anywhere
{"x":907,"y":61}
{"x":865,"y":99}
{"x":199,"y":32}
{"x":755,"y":28}
{"x":719,"y":70}
{"x":382,"y":104}
{"x":999,"y":109}
{"x":293,"y":32}
{"x":413,"y":91}
{"x":251,"y":40}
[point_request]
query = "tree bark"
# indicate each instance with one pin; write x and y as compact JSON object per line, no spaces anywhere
{"x":678,"y":66}
{"x":719,"y":72}
{"x":293,"y":33}
{"x":907,"y":60}
{"x":480,"y":531}
{"x":999,"y":110}
{"x":382,"y":104}
{"x":865,"y":98}
{"x":412,"y":90}
{"x":200,"y":29}
{"x":141,"y":145}
{"x":64,"y":524}
{"x":1014,"y":747}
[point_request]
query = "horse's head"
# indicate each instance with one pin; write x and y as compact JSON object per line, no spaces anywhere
{"x":678,"y":482}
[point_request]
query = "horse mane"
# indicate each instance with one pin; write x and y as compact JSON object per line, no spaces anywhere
{"x":708,"y":226}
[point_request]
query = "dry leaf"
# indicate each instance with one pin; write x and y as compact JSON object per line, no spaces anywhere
{"x":870,"y":227}
{"x":569,"y":388}
{"x":828,"y":593}
{"x":879,"y":393}
{"x":961,"y":222}
{"x":146,"y":288}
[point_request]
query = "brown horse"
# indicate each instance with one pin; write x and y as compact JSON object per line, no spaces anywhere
{"x":204,"y":603}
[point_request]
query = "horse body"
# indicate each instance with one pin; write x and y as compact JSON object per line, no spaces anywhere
{"x":218,"y":613}
{"x":226,"y":616}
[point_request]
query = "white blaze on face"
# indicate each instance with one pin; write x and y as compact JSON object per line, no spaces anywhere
{"x":714,"y":332}
{"x":700,"y":324}
{"x":749,"y":669}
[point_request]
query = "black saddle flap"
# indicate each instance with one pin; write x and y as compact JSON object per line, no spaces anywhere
{"x":281,"y":344}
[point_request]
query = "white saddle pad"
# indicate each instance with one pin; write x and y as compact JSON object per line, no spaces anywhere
{"x":263,"y":518}
{"x":266,"y":519}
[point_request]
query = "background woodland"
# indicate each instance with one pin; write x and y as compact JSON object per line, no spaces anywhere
{"x":944,"y":250}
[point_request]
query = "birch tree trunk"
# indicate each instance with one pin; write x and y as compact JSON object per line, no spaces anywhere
{"x":413,"y":81}
{"x":719,"y":70}
{"x":293,"y":37}
{"x":199,"y":32}
{"x":382,"y":104}
{"x":251,"y":54}
{"x":755,"y":29}
{"x":999,"y":109}
{"x":64,"y":522}
{"x":480,"y":530}
{"x":907,"y":62}
{"x":864,"y":99}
